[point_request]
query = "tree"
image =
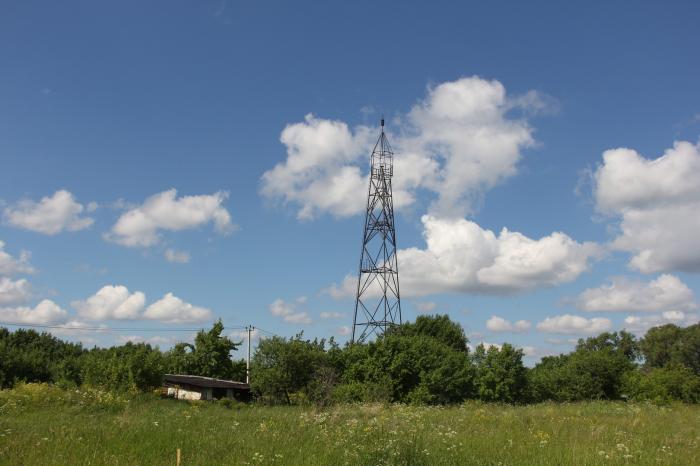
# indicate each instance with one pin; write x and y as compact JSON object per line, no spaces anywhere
{"x":595,"y":370}
{"x":663,"y":384}
{"x":210,"y":356}
{"x":501,"y":375}
{"x":623,"y":343}
{"x":29,"y":356}
{"x":281,"y":367}
{"x":439,"y":327}
{"x":672,"y":345}
{"x":410,"y":368}
{"x":687,"y":349}
{"x":130,"y":367}
{"x":658,"y":345}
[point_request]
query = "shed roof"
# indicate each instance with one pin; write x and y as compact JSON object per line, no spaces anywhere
{"x":199,"y":381}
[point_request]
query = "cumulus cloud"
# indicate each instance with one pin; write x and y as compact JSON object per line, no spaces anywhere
{"x":499,"y":324}
{"x":575,"y":325}
{"x":347,"y":288}
{"x":426,"y":306}
{"x":288,"y":312}
{"x":332,"y":315}
{"x":319,"y":174}
{"x":14,"y":292}
{"x":50,"y":215}
{"x":665,"y":293}
{"x":79,"y":331}
{"x":111,"y":302}
{"x":462,"y":257}
{"x":561,"y":341}
{"x":487,"y":346}
{"x":464,"y":126}
{"x":343,"y":331}
{"x":154,"y":340}
{"x":242,"y":336}
{"x":116,"y":302}
{"x":46,"y":312}
{"x":657,"y":202}
{"x":177,"y":257}
{"x":141,"y":226}
{"x":537,"y":352}
{"x":456,"y":142}
{"x":12,"y":266}
{"x":640,"y":324}
{"x":172,"y":309}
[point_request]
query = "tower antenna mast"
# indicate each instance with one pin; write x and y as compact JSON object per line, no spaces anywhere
{"x":378,"y":301}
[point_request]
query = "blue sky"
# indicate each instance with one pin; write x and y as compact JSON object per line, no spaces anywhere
{"x":117,"y":102}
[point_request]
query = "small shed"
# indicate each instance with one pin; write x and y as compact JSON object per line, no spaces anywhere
{"x":196,"y":387}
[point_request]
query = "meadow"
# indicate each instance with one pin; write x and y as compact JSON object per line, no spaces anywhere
{"x":43,"y":424}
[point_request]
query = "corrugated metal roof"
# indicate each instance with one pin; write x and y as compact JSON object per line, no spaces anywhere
{"x":199,"y":381}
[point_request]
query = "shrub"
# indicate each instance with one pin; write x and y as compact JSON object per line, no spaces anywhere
{"x":661,"y":385}
{"x":500,"y":373}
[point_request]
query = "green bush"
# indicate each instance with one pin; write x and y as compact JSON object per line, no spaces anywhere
{"x":229,"y":403}
{"x":661,"y":385}
{"x":594,"y":371}
{"x":501,"y":375}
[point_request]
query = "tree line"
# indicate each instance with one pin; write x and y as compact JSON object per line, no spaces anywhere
{"x":428,"y":361}
{"x":29,"y":356}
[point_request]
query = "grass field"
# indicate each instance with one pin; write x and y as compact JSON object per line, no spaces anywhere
{"x":46,"y":425}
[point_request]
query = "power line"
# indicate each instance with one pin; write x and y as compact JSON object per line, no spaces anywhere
{"x":272,"y":334}
{"x":109,"y":329}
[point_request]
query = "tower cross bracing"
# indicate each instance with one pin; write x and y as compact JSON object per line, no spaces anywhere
{"x":378,"y":300}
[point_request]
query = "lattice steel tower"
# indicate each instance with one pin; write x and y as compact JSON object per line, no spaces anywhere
{"x":378,"y":302}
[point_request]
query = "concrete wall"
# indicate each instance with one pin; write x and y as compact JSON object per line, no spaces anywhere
{"x":196,"y":394}
{"x":182,"y":394}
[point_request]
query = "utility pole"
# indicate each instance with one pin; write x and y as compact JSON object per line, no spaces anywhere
{"x":378,"y":302}
{"x":250,"y":329}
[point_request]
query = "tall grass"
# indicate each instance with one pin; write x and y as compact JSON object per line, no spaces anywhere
{"x":44,"y":425}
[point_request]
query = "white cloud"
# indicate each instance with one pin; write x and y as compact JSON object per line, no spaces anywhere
{"x":141,"y":226}
{"x":154,"y":340}
{"x":426,"y":306}
{"x":499,"y":324}
{"x":242,"y":337}
{"x":111,"y":302}
{"x":11,"y":266}
{"x":576,"y":325}
{"x":332,"y":315}
{"x":640,"y":324}
{"x":172,"y":309}
{"x":462,"y":257}
{"x":657,"y":202}
{"x":538,"y":352}
{"x":456,"y":143}
{"x":464,"y":127}
{"x":346,"y":289}
{"x":118,"y":303}
{"x":14,"y":292}
{"x":319,"y":174}
{"x":487,"y":346}
{"x":288,"y":312}
{"x":561,"y":341}
{"x":46,"y":312}
{"x":343,"y":331}
{"x":79,"y":331}
{"x":665,"y":293}
{"x":51,"y":215}
{"x":178,"y":257}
